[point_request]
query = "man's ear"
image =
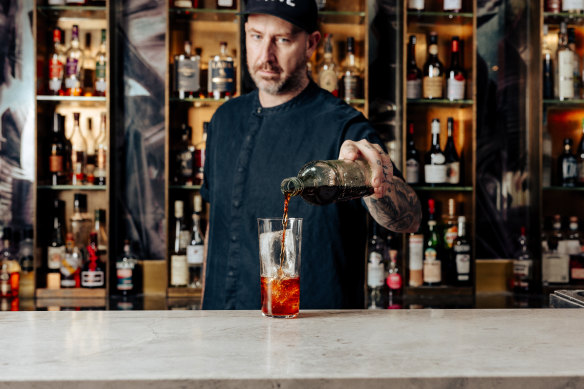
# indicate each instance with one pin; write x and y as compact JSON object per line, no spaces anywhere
{"x":312,"y":43}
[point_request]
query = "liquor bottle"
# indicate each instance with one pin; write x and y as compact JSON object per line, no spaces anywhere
{"x":455,"y":75}
{"x":576,"y":264}
{"x":179,"y":273}
{"x":555,"y":235}
{"x":554,"y":6}
{"x":100,"y":85}
{"x":196,"y":246}
{"x":80,"y":220}
{"x":567,"y":165}
{"x":9,"y":254}
{"x":99,"y":229}
{"x":78,"y":152}
{"x":412,"y":158}
{"x":414,"y":75}
{"x":184,"y":156}
{"x":452,"y":159}
{"x":200,"y":150}
{"x":576,"y":63}
{"x":90,"y":157}
{"x":56,"y":249}
{"x":433,"y":81}
{"x":92,"y":274}
{"x":523,"y":266}
{"x":565,"y":63}
{"x":351,"y":74}
{"x":546,"y":159}
{"x":320,"y":4}
{"x":101,"y":142}
{"x":462,"y":254}
{"x":327,"y":70}
{"x":221,"y":78}
{"x":580,"y":158}
{"x":548,"y":66}
{"x":324,"y":182}
{"x":572,"y":6}
{"x":71,"y":264}
{"x":415,"y":259}
{"x":6,"y":259}
{"x":74,"y":68}
{"x":416,"y":5}
{"x":394,"y":279}
{"x":57,"y":62}
{"x":56,"y":2}
{"x":88,"y":67}
{"x":432,"y":250}
{"x":450,"y":226}
{"x":452,"y":5}
{"x":186,"y":73}
{"x":571,"y":243}
{"x":68,"y":154}
{"x":375,"y":271}
{"x":57,"y":156}
{"x":435,"y":160}
{"x":226,"y":4}
{"x":125,"y":271}
{"x":25,"y":252}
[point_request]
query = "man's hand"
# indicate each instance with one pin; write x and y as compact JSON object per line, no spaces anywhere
{"x":394,"y":204}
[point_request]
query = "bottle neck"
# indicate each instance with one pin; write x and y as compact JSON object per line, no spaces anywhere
{"x":455,"y":56}
{"x":436,"y":141}
{"x":461,"y":229}
{"x":292,"y":186}
{"x":412,"y":54}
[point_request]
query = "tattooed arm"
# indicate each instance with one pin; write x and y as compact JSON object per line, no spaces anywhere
{"x":394,"y":204}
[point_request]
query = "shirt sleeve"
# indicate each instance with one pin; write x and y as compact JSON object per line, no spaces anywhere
{"x":206,"y":185}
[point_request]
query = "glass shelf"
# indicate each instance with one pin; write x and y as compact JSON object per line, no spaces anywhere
{"x":356,"y":102}
{"x":73,"y":12}
{"x":557,"y":18}
{"x":74,"y":187}
{"x":432,"y":18}
{"x":199,"y":100}
{"x":565,"y":188}
{"x":456,"y":103}
{"x":82,"y":100}
{"x":564,"y":103}
{"x":185,"y":187}
{"x":442,"y":188}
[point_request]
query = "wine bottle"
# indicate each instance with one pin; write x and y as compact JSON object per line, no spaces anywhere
{"x":412,"y":158}
{"x":452,"y":159}
{"x":57,"y":156}
{"x":567,"y":165}
{"x":196,"y":246}
{"x":435,"y":160}
{"x":580,"y":158}
{"x":548,"y":66}
{"x":432,"y":254}
{"x":414,"y":74}
{"x":462,"y":254}
{"x":433,"y":82}
{"x":456,"y":78}
{"x":565,"y":63}
{"x":179,"y":273}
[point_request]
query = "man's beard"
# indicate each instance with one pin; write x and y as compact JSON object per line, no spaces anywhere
{"x":275,"y":87}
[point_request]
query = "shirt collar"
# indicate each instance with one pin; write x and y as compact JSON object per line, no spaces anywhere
{"x":307,"y":93}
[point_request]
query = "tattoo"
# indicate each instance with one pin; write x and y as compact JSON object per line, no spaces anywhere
{"x":399,"y":209}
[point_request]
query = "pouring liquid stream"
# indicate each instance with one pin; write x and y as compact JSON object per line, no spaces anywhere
{"x":284,"y":226}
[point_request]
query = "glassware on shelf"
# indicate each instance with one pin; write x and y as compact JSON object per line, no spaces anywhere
{"x":80,"y":220}
{"x":452,"y":158}
{"x":78,"y":152}
{"x":179,"y":274}
{"x":565,"y":64}
{"x":100,"y":85}
{"x":71,"y":264}
{"x":351,"y":81}
{"x":432,"y":250}
{"x":196,"y":245}
{"x":414,"y":74}
{"x":58,"y":155}
{"x":88,"y":67}
{"x":102,"y":150}
{"x":92,"y":273}
{"x":412,"y":158}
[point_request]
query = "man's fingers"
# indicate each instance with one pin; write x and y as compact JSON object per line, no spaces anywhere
{"x":349,"y":150}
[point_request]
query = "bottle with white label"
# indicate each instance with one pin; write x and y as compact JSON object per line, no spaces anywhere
{"x":433,"y":81}
{"x":452,"y":159}
{"x":462,"y":254}
{"x":412,"y":158}
{"x":56,"y":249}
{"x":179,"y":274}
{"x":416,"y":5}
{"x":435,"y":160}
{"x":452,"y":5}
{"x":523,"y":266}
{"x":415,"y":259}
{"x":573,"y":6}
{"x":125,"y":274}
{"x":414,"y":75}
{"x":375,"y":271}
{"x":432,"y":250}
{"x":196,"y":246}
{"x":455,"y":75}
{"x":565,"y":65}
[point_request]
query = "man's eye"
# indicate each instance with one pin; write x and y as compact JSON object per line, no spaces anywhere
{"x":283,"y":40}
{"x":256,"y":36}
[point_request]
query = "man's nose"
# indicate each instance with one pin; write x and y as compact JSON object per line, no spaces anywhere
{"x":267,"y":51}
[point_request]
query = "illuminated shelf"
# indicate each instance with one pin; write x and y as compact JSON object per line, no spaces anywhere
{"x":440,"y":102}
{"x":72,"y":99}
{"x":73,"y":187}
{"x":73,"y":12}
{"x":565,"y":188}
{"x":433,"y":18}
{"x":565,"y":103}
{"x":204,"y":11}
{"x":185,"y":187}
{"x":192,"y":100}
{"x":73,"y":293}
{"x":557,"y":18}
{"x":443,"y":188}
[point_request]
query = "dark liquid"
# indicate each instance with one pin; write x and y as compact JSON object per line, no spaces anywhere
{"x":323,"y":195}
{"x":280,"y":296}
{"x":284,"y":225}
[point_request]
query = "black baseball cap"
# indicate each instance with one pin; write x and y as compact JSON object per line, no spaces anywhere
{"x":301,"y":13}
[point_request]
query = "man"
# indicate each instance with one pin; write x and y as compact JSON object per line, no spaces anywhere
{"x":258,"y":139}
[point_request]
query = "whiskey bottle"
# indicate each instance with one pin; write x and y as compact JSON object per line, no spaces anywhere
{"x":435,"y":160}
{"x":74,"y":68}
{"x":324,"y":182}
{"x":57,"y":156}
{"x":565,"y":63}
{"x":88,"y":67}
{"x":179,"y":273}
{"x":56,"y":249}
{"x":186,"y":73}
{"x":523,"y":266}
{"x":78,"y":152}
{"x":351,"y":75}
{"x":576,"y":77}
{"x":80,"y":220}
{"x":101,"y":143}
{"x":432,"y":250}
{"x":567,"y":165}
{"x":100,"y":85}
{"x":452,"y":5}
{"x":196,"y":246}
{"x":548,"y":66}
{"x":200,"y":150}
{"x":221,"y":77}
{"x":92,"y":274}
{"x":452,"y":159}
{"x":450,"y":225}
{"x":416,"y":259}
{"x":414,"y":75}
{"x":416,"y":5}
{"x":376,"y":285}
{"x":57,"y":62}
{"x":580,"y":158}
{"x":184,"y":156}
{"x":433,"y":81}
{"x":462,"y":254}
{"x":327,"y":73}
{"x":456,"y":78}
{"x":125,"y":271}
{"x":71,"y":264}
{"x":412,"y":158}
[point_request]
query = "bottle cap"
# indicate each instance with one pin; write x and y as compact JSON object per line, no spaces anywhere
{"x":462,"y":219}
{"x":179,"y":208}
{"x":435,"y":126}
{"x":431,"y":205}
{"x":412,"y":39}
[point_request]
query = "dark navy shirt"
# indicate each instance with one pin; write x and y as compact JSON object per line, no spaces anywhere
{"x":250,"y":150}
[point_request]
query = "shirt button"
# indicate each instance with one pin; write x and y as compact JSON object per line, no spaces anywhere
{"x":240,"y":169}
{"x":230,"y":274}
{"x":259,"y":110}
{"x":236,"y":204}
{"x":234,"y":238}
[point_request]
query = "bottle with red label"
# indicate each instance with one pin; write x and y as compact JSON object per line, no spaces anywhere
{"x":125,"y":271}
{"x":455,"y":75}
{"x":57,"y":65}
{"x":92,"y":274}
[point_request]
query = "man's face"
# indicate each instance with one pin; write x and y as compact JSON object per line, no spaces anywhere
{"x":276,"y":53}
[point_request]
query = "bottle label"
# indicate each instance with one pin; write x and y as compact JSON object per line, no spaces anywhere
{"x":183,"y":3}
{"x":571,"y":5}
{"x":522,"y":267}
{"x":394,"y":281}
{"x":92,"y":279}
{"x":455,"y":89}
{"x":412,"y":171}
{"x":327,"y":79}
{"x":195,"y":254}
{"x":56,"y":163}
{"x":185,"y":160}
{"x":416,"y":259}
{"x":179,"y":273}
{"x":55,"y":257}
{"x":225,"y":3}
{"x":577,"y":273}
{"x":72,"y":67}
{"x":187,"y":76}
{"x":452,"y":5}
{"x":375,"y":270}
{"x":450,"y":236}
{"x":125,"y":278}
{"x":569,"y":169}
{"x":350,"y":84}
{"x":463,"y":262}
{"x":70,"y":264}
{"x":555,"y":269}
{"x":101,"y":158}
{"x":432,"y":267}
{"x":100,"y":68}
{"x":435,"y":174}
{"x":414,"y":89}
{"x":565,"y":74}
{"x":432,"y":87}
{"x":56,"y":71}
{"x":453,"y":173}
{"x":221,"y":76}
{"x":184,"y":238}
{"x":416,"y":4}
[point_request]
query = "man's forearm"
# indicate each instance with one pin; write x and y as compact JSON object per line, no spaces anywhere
{"x":398,"y":210}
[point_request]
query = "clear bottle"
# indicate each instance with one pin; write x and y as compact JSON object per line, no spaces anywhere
{"x":572,"y":245}
{"x":57,"y":62}
{"x":433,"y":81}
{"x":327,"y":70}
{"x":415,"y":259}
{"x":351,"y":74}
{"x":6,"y":259}
{"x":412,"y":158}
{"x":187,"y":73}
{"x":523,"y":266}
{"x":200,"y":151}
{"x":376,"y":285}
{"x":462,"y":254}
{"x":567,"y":165}
{"x":455,"y":75}
{"x":74,"y":68}
{"x":576,"y":63}
{"x":57,"y":156}
{"x":179,"y":273}
{"x":184,"y":157}
{"x":565,"y":64}
{"x":80,"y":220}
{"x":102,"y":149}
{"x":580,"y":158}
{"x":452,"y":5}
{"x":99,"y":227}
{"x":196,"y":246}
{"x":324,"y":182}
{"x":221,"y":77}
{"x":90,"y":157}
{"x":88,"y":67}
{"x":452,"y":158}
{"x":432,"y":250}
{"x":26,"y":250}
{"x":78,"y":152}
{"x":71,"y":264}
{"x":56,"y":248}
{"x":100,"y":84}
{"x":414,"y":74}
{"x":92,"y":274}
{"x":416,"y":5}
{"x":548,"y":66}
{"x":125,"y":271}
{"x":435,"y":160}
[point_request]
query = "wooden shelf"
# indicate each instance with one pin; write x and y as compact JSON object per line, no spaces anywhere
{"x":570,"y":18}
{"x":572,"y":103}
{"x":183,"y":292}
{"x":73,"y":100}
{"x":564,"y":188}
{"x":432,"y":18}
{"x":72,"y":293}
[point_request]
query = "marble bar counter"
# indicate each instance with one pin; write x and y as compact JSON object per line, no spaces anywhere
{"x":534,"y":348}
